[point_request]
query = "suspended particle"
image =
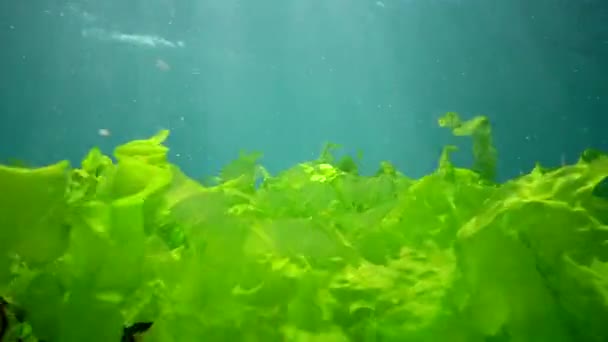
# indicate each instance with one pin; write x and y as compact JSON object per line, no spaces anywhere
{"x":104,"y":132}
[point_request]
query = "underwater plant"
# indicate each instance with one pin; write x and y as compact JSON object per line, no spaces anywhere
{"x":133,"y":249}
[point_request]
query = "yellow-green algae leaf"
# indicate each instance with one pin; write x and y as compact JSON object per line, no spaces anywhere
{"x":33,"y":211}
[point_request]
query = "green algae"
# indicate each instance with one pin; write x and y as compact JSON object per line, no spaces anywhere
{"x":315,"y":253}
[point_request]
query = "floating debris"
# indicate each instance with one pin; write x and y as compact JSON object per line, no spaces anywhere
{"x":104,"y":132}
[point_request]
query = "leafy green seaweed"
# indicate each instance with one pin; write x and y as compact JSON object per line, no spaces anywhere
{"x":317,"y":252}
{"x":484,"y":152}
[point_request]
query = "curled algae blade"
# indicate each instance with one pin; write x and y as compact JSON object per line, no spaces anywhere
{"x":479,"y":128}
{"x":151,"y":150}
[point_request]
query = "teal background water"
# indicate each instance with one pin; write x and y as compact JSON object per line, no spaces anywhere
{"x":284,"y":76}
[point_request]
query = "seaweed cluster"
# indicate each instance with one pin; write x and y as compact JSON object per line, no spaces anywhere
{"x":132,"y":246}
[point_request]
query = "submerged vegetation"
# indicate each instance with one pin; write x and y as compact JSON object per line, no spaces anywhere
{"x":316,"y":253}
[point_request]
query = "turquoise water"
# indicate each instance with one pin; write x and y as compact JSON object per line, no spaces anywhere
{"x":283,"y":77}
{"x":203,"y":198}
